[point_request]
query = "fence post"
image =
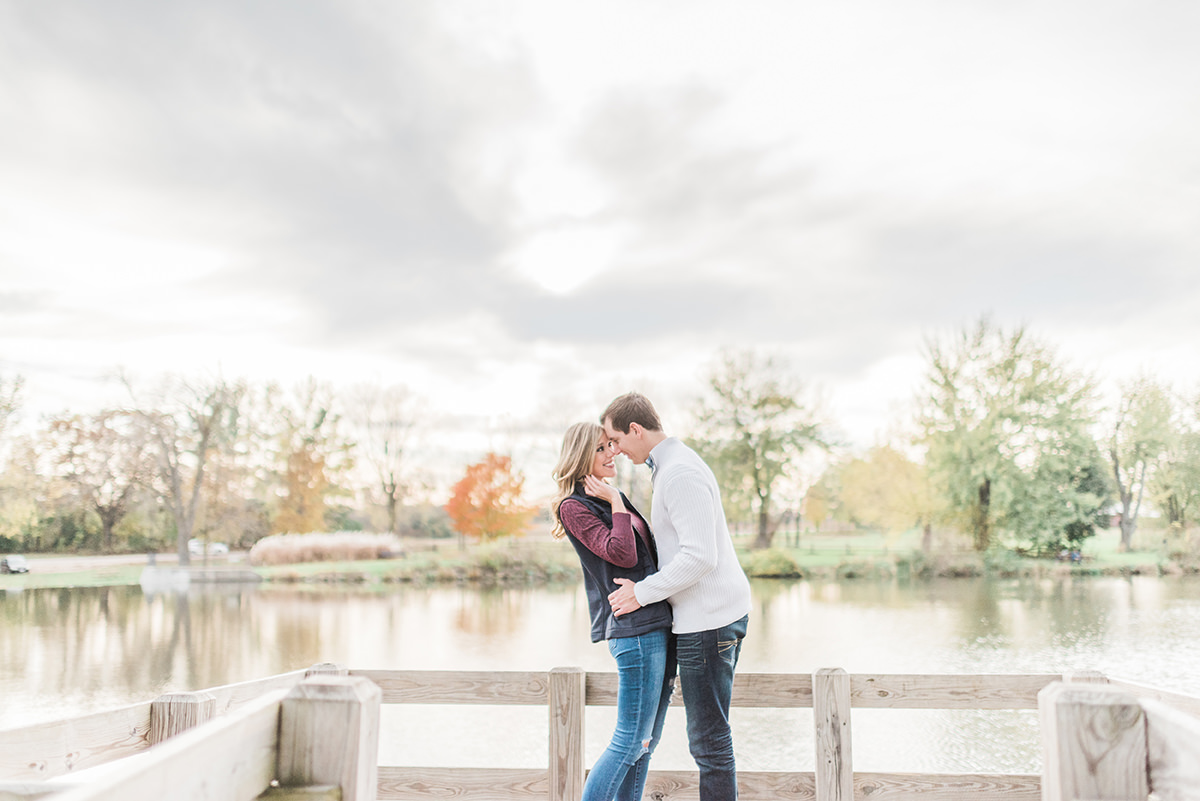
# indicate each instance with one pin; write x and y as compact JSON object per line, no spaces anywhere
{"x":831,"y":719}
{"x":172,"y":713}
{"x":1093,"y":744}
{"x":329,"y":734}
{"x":326,"y":669}
{"x":1085,"y":677}
{"x":567,"y":698}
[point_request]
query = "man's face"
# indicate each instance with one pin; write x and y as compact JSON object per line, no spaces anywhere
{"x":632,"y":444}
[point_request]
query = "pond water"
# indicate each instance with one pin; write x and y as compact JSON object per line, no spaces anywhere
{"x":66,"y":652}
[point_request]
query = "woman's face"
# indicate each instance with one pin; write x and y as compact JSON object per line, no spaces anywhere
{"x":603,"y":460}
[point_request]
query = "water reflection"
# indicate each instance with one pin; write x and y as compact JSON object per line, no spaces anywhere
{"x":65,"y":652}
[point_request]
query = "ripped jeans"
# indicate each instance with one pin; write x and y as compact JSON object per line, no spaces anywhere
{"x":646,"y":675}
{"x":706,"y":663}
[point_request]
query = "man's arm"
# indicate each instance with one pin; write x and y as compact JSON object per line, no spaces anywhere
{"x":689,"y":504}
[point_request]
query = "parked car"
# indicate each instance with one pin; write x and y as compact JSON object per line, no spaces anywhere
{"x":14,"y":564}
{"x":196,"y":548}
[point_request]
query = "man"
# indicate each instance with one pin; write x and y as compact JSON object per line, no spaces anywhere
{"x":698,"y":575}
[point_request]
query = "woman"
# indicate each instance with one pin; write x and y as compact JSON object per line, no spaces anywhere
{"x":613,"y":541}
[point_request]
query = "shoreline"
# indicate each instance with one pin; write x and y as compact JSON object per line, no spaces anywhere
{"x":532,"y":563}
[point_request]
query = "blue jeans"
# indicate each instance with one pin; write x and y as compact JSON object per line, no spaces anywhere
{"x":706,"y":663}
{"x":645,"y":677}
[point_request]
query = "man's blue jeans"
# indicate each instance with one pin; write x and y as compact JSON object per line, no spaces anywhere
{"x":646,"y":675}
{"x":706,"y":663}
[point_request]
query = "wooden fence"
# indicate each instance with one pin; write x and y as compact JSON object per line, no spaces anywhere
{"x":277,"y":738}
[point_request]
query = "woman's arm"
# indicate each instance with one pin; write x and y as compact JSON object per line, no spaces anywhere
{"x":616,"y":545}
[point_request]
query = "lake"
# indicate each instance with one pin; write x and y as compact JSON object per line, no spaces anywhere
{"x":69,"y":651}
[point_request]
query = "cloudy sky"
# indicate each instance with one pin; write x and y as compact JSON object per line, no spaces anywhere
{"x":520,"y":209}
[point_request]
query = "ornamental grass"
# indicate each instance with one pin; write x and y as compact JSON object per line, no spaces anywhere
{"x":338,"y":546}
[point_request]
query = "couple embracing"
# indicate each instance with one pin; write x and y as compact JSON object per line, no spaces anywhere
{"x":674,"y":599}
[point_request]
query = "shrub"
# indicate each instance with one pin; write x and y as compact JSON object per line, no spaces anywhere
{"x":340,"y":546}
{"x":770,"y":563}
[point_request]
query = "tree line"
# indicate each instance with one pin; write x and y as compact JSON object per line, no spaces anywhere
{"x":215,"y":460}
{"x":1007,"y":444}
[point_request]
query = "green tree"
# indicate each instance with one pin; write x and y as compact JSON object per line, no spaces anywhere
{"x":1005,"y":425}
{"x":1140,"y":436}
{"x":753,"y":429}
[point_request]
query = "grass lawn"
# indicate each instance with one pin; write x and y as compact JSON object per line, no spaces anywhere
{"x":109,"y":576}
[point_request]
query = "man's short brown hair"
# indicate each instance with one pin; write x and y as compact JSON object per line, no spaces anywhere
{"x":632,"y":407}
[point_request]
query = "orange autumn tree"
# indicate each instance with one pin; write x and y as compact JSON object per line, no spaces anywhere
{"x":486,"y":502}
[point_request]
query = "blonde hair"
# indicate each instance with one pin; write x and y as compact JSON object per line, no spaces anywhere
{"x":574,"y":462}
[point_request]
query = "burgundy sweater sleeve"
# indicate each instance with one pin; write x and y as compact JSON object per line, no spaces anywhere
{"x":615,"y":545}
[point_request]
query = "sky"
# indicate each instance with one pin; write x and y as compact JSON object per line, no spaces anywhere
{"x":520,"y":209}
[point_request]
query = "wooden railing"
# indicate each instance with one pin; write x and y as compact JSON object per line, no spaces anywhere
{"x":242,"y":748}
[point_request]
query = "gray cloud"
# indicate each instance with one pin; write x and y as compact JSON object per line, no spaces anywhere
{"x":351,"y":160}
{"x":331,"y":141}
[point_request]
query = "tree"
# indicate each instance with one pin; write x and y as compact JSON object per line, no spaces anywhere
{"x":1139,"y":438}
{"x":192,"y":422}
{"x":105,"y":457}
{"x":1005,"y":425}
{"x":818,"y":501}
{"x":385,"y":418}
{"x":313,"y":455}
{"x":486,"y":501}
{"x":753,"y":430}
{"x":240,"y":481}
{"x":887,"y":490}
{"x":10,"y":400}
{"x":1176,"y":481}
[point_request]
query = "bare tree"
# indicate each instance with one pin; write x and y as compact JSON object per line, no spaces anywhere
{"x":385,"y":418}
{"x":105,"y":457}
{"x":191,"y":422}
{"x":10,"y":400}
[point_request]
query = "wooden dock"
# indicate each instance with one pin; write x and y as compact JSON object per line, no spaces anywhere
{"x":314,"y":735}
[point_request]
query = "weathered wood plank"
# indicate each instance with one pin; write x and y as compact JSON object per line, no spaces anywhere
{"x":231,"y":758}
{"x":26,"y":791}
{"x":525,"y":688}
{"x":948,"y":787}
{"x":47,"y":750}
{"x":831,"y":719}
{"x":566,"y":733}
{"x":1093,"y":744}
{"x":945,"y":691}
{"x":1173,"y":739}
{"x":232,"y":696}
{"x":750,"y":690}
{"x":467,"y":784}
{"x":1186,"y":703}
{"x":320,"y":792}
{"x":488,"y":784}
{"x":329,"y":734}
